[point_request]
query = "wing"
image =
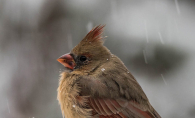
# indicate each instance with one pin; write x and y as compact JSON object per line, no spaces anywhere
{"x":114,"y":93}
{"x":117,"y":108}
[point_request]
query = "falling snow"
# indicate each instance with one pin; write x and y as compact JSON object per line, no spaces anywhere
{"x":105,"y":36}
{"x":145,"y":59}
{"x":73,"y":105}
{"x":163,"y":79}
{"x":177,"y":6}
{"x":8,"y":106}
{"x":107,"y":59}
{"x":161,"y":39}
{"x":89,"y":26}
{"x":103,"y":69}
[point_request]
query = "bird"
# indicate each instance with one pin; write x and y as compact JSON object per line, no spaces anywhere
{"x":96,"y":84}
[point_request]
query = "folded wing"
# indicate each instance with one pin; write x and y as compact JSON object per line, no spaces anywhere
{"x":117,"y":108}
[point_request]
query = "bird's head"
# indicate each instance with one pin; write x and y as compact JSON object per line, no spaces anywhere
{"x":88,"y":54}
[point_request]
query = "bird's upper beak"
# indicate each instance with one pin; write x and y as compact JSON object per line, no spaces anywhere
{"x":67,"y":60}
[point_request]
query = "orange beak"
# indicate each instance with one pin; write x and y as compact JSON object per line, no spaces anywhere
{"x":67,"y":60}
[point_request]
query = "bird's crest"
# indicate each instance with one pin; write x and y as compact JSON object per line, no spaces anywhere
{"x":92,"y":41}
{"x":95,"y":35}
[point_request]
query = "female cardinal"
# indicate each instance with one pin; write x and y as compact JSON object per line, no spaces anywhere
{"x":96,"y":84}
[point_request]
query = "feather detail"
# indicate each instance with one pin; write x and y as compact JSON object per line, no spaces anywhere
{"x":118,"y":108}
{"x":72,"y":105}
{"x":95,"y":34}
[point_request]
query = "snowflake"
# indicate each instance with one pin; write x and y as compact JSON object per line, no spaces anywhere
{"x":103,"y":69}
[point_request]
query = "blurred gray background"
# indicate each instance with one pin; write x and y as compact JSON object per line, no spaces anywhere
{"x":154,"y":38}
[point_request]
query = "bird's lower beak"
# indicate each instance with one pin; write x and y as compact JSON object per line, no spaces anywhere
{"x":67,"y":60}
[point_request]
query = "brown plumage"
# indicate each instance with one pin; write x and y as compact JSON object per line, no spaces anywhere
{"x":96,"y":84}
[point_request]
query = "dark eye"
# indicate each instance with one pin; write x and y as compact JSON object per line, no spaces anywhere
{"x":83,"y":58}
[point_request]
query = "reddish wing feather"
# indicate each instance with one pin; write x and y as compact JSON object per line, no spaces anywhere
{"x":111,"y":108}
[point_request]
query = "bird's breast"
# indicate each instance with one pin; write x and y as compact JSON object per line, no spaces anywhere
{"x":72,"y":105}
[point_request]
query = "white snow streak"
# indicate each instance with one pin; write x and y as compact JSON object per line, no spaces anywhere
{"x":103,"y":69}
{"x":8,"y":106}
{"x":163,"y":79}
{"x":177,"y":7}
{"x":161,"y":39}
{"x":144,"y":53}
